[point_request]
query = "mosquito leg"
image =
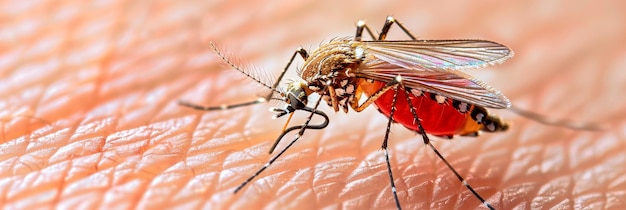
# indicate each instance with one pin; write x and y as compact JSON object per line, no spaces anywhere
{"x":300,"y":51}
{"x":427,"y":142}
{"x":385,"y":149}
{"x":291,"y":109}
{"x":458,"y":176}
{"x":222,"y":107}
{"x":316,"y":127}
{"x":300,"y":133}
{"x":360,"y":25}
{"x":390,"y":20}
{"x":358,"y":108}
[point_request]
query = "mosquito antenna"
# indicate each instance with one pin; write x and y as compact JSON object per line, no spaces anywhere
{"x":236,"y":67}
{"x":300,"y":133}
{"x":555,"y":122}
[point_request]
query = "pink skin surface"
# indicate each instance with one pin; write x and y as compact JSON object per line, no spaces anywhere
{"x":89,"y":114}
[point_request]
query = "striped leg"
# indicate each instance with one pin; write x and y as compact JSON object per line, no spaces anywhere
{"x":385,"y":141}
{"x":301,"y":128}
{"x":427,"y":142}
{"x":360,"y":26}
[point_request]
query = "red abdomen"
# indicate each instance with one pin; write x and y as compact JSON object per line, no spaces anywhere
{"x":436,"y":113}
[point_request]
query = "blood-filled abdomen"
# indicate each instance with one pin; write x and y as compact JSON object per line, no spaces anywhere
{"x":439,"y":115}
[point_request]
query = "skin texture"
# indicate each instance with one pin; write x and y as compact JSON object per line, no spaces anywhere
{"x":89,"y":116}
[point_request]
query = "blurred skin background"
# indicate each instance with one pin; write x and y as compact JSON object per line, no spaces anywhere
{"x":89,"y":118}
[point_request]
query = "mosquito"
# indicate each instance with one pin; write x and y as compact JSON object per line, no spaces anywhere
{"x":417,"y":83}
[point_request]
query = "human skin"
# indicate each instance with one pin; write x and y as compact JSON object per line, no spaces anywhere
{"x":88,"y":103}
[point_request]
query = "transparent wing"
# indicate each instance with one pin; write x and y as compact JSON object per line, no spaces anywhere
{"x":441,"y":54}
{"x":433,"y":66}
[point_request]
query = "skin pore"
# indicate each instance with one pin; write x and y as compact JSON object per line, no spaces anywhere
{"x":89,"y":113}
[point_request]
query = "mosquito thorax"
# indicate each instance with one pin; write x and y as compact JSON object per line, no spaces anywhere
{"x":332,"y":66}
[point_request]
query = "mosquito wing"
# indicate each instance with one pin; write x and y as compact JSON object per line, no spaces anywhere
{"x":441,"y":54}
{"x":433,"y":66}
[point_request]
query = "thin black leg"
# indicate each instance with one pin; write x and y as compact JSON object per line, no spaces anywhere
{"x":386,"y":151}
{"x":427,"y":142}
{"x":390,"y":20}
{"x":303,"y":53}
{"x":300,"y":133}
{"x":360,"y":26}
{"x":222,"y":107}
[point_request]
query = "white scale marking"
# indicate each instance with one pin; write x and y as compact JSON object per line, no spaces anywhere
{"x":314,"y":88}
{"x":399,"y":79}
{"x":440,"y":99}
{"x":340,"y":92}
{"x":417,"y":92}
{"x":479,"y":117}
{"x":344,"y":82}
{"x":360,"y":23}
{"x":350,"y":89}
{"x":359,"y":53}
{"x":463,"y":107}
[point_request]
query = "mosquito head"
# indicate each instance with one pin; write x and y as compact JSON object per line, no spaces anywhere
{"x":295,"y":95}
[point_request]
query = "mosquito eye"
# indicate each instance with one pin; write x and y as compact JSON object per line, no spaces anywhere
{"x":296,"y":102}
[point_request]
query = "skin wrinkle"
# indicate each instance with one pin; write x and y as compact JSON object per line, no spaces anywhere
{"x":132,"y":84}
